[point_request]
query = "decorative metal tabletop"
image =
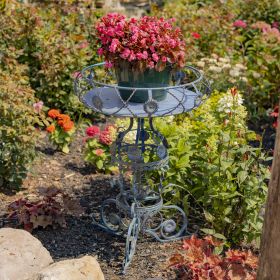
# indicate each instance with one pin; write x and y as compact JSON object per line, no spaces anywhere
{"x":97,"y":88}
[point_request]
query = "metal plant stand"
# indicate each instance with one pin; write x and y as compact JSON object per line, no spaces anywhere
{"x":138,"y":208}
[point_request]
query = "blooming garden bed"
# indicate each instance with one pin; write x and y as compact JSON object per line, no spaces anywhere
{"x":219,"y":154}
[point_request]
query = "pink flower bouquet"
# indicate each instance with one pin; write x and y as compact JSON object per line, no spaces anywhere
{"x":145,"y":43}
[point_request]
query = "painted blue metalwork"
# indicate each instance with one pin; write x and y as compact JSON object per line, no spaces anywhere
{"x":138,"y":209}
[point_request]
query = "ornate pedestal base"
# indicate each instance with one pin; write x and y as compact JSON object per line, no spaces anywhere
{"x":140,"y":209}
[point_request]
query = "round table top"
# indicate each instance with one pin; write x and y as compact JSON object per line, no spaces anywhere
{"x":108,"y":101}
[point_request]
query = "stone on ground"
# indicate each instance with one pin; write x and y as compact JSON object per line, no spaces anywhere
{"x":21,"y":255}
{"x":85,"y":268}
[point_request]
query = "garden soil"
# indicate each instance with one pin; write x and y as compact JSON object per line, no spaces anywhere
{"x":70,"y":174}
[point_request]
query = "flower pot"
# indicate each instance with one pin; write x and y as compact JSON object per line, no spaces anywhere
{"x":150,"y":78}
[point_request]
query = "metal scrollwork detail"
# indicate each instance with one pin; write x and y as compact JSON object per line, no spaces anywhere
{"x":97,"y":102}
{"x":150,"y":107}
{"x":168,"y":229}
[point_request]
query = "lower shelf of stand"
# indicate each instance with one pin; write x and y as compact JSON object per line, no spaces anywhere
{"x":110,"y":103}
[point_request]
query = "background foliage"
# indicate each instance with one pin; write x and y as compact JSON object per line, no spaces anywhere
{"x":257,"y":49}
{"x":54,"y":39}
{"x":213,"y":163}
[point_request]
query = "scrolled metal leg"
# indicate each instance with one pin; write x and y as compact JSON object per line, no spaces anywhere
{"x":112,"y":219}
{"x":131,"y":239}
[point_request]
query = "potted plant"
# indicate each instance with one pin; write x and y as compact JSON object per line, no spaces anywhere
{"x":143,"y":53}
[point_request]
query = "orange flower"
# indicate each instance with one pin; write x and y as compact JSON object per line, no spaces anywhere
{"x":67,"y":126}
{"x":50,"y":128}
{"x":62,"y":119}
{"x":53,"y":113}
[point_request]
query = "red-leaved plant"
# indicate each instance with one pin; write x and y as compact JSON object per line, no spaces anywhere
{"x":275,"y":115}
{"x":200,"y":262}
{"x":146,"y":43}
{"x":47,"y":210}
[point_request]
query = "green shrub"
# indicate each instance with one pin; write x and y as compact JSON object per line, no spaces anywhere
{"x":255,"y":48}
{"x":17,"y":131}
{"x":212,"y":162}
{"x":55,"y":40}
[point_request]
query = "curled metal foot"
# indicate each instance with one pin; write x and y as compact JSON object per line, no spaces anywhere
{"x":112,"y":219}
{"x":165,"y":230}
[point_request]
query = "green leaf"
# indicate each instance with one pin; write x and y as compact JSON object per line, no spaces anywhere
{"x":218,"y":250}
{"x":65,"y":149}
{"x":242,"y":175}
{"x":99,"y":164}
{"x":219,"y":236}
{"x":183,"y":161}
{"x":208,"y":231}
{"x":209,"y":217}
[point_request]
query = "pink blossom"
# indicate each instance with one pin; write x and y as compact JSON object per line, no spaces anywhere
{"x":155,"y":57}
{"x":105,"y":138}
{"x":100,"y":51}
{"x":125,"y":54}
{"x":108,"y":64}
{"x":275,"y":24}
{"x":38,"y":106}
{"x":151,"y":64}
{"x":132,"y":56}
{"x":139,"y":56}
{"x":133,"y":20}
{"x":134,"y":38}
{"x":145,"y":55}
{"x":99,"y":152}
{"x":76,"y":74}
{"x":148,"y":39}
{"x":143,"y":42}
{"x":93,"y":131}
{"x":83,"y":45}
{"x":110,"y":32}
{"x":172,"y":43}
{"x":240,"y":23}
{"x":114,"y":45}
{"x":119,"y":30}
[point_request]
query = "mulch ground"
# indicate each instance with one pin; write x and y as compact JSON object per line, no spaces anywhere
{"x":81,"y":237}
{"x":70,"y":174}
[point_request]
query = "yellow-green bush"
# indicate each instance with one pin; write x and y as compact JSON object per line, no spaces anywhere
{"x":17,"y":131}
{"x":54,"y":39}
